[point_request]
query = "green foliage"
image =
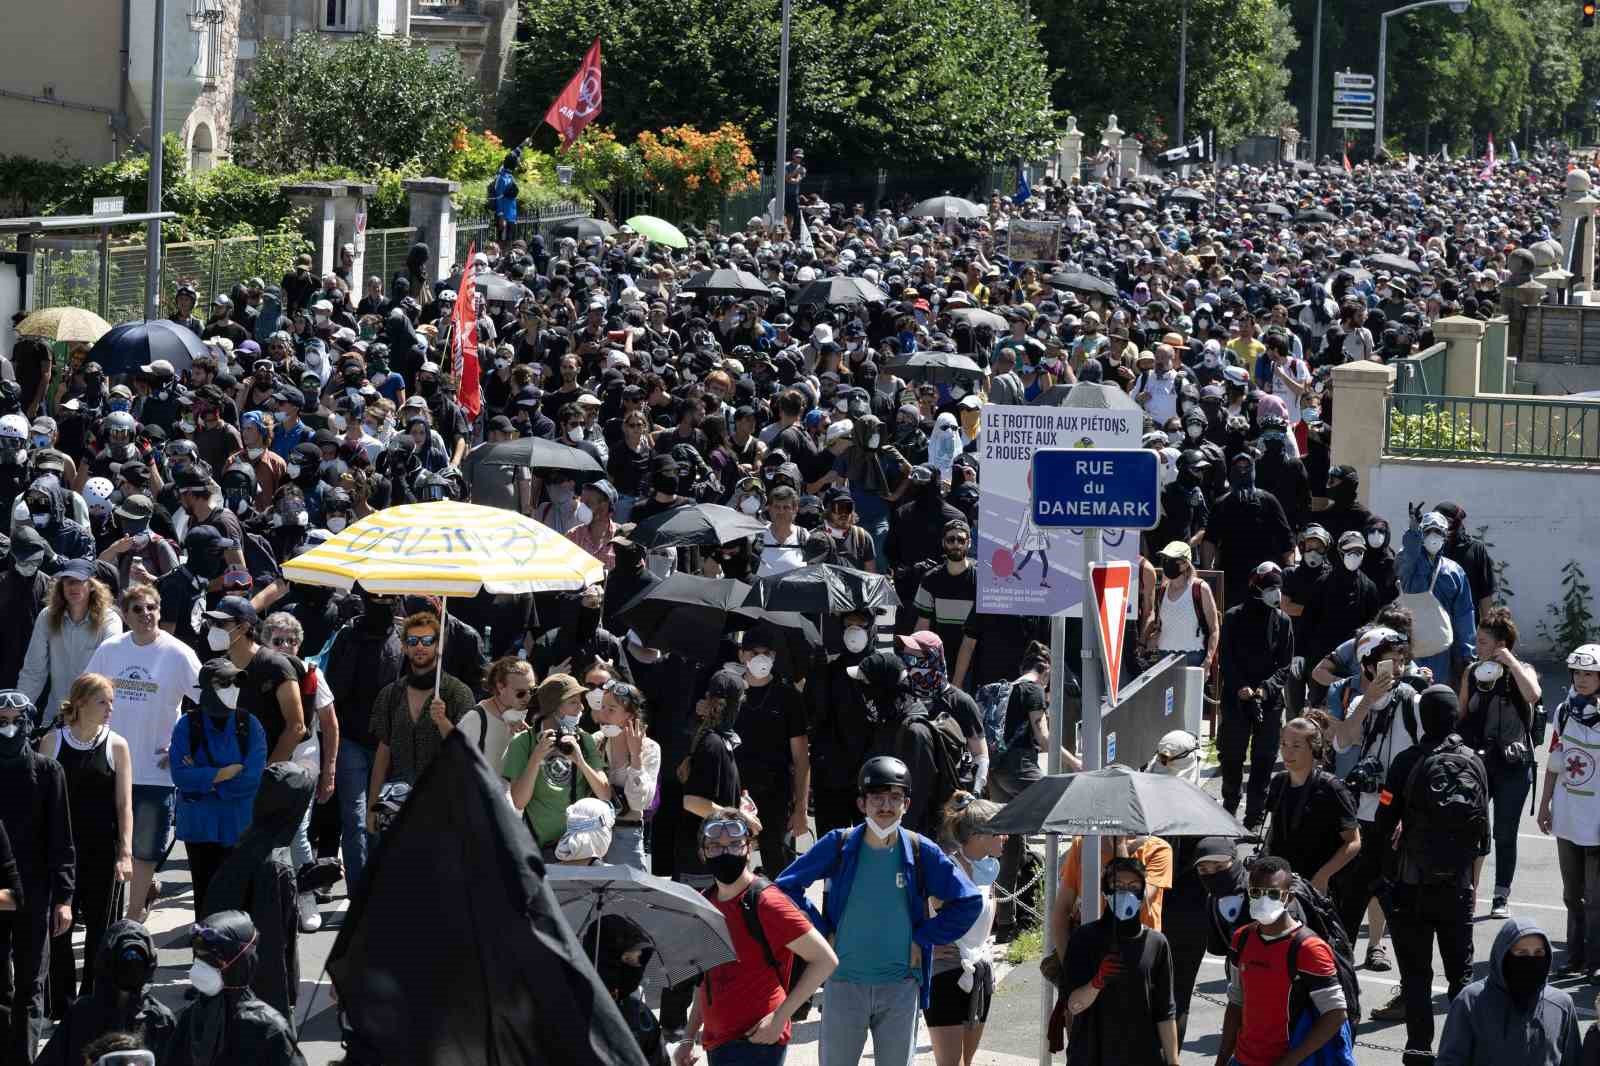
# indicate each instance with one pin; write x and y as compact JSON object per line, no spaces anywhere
{"x":362,"y":103}
{"x":1435,"y":429}
{"x":1115,"y":58}
{"x":870,"y":80}
{"x":1571,"y":620}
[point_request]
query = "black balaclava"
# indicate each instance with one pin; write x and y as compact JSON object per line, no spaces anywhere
{"x":617,"y":935}
{"x":378,"y":614}
{"x":1437,"y":710}
{"x":1242,"y":474}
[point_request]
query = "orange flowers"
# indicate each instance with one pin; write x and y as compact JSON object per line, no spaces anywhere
{"x":696,"y":169}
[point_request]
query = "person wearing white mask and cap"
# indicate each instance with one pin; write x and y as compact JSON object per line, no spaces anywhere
{"x":1443,"y":633}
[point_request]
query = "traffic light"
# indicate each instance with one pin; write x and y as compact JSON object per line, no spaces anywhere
{"x":1588,"y":14}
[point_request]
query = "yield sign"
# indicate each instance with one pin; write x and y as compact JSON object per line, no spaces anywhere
{"x":1112,"y":586}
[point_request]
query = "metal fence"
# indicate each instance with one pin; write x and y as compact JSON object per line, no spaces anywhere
{"x":1523,"y":430}
{"x":1421,"y":374}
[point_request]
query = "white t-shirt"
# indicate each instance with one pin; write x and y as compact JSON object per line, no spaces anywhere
{"x":150,"y":681}
{"x":1575,"y":807}
{"x":1291,"y":399}
{"x":779,"y":557}
{"x":497,"y":738}
{"x":1385,"y":749}
{"x":1163,"y":390}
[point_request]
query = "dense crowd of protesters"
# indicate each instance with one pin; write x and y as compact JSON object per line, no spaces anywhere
{"x":162,"y":680}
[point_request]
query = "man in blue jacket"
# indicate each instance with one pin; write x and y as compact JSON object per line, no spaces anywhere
{"x":1424,"y":567}
{"x":875,"y":911}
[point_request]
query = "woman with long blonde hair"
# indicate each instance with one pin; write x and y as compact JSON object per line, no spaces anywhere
{"x":77,"y":619}
{"x":99,"y":772}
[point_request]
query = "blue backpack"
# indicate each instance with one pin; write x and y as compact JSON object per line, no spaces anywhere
{"x":992,"y":700}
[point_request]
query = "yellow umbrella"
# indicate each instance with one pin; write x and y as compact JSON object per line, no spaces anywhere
{"x":447,"y":549}
{"x":72,"y":324}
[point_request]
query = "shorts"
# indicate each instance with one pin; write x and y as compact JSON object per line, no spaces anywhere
{"x":949,"y":1005}
{"x":153,"y":807}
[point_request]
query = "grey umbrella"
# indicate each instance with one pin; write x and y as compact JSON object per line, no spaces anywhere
{"x":1187,"y":196}
{"x":946,"y":206}
{"x":689,"y":934}
{"x":938,"y":366}
{"x":497,"y":289}
{"x":1115,"y":801}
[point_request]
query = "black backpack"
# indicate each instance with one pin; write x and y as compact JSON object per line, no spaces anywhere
{"x":949,"y":753}
{"x":748,"y":904}
{"x":1446,"y":813}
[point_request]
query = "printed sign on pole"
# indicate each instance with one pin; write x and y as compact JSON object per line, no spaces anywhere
{"x":1112,"y":583}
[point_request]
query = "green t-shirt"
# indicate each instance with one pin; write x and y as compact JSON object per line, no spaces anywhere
{"x":560,"y":783}
{"x":874,"y":937}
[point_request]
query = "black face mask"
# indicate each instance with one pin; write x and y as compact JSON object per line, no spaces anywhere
{"x":664,"y":483}
{"x":131,"y":969}
{"x":1172,"y":568}
{"x":727,"y":868}
{"x":420,"y":681}
{"x":12,"y":748}
{"x":621,"y":978}
{"x":1525,"y":976}
{"x":378,"y":617}
{"x":1224,"y":882}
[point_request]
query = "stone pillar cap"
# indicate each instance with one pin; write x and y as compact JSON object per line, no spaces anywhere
{"x":439,"y":186}
{"x":327,"y":190}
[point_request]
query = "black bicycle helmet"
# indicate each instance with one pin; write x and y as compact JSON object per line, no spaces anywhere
{"x":883,"y":771}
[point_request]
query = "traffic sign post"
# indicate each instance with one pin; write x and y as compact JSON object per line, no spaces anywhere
{"x":1354,"y":101}
{"x":1093,"y":489}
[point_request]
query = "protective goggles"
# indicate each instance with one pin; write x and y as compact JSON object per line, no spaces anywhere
{"x":724,"y":829}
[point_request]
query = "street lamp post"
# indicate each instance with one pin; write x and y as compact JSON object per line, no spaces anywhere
{"x":1456,"y":7}
{"x":779,"y":175}
{"x":1316,"y":81}
{"x":1183,"y":62}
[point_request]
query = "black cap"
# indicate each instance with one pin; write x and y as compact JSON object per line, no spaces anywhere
{"x":501,"y":424}
{"x":881,"y":669}
{"x":76,"y":569}
{"x":191,"y":480}
{"x":233,"y":609}
{"x":207,"y":540}
{"x":219,"y":673}
{"x":725,"y":684}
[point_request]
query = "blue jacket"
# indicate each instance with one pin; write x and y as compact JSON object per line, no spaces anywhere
{"x":929,"y":874}
{"x":208,"y":812}
{"x":1451,"y":590}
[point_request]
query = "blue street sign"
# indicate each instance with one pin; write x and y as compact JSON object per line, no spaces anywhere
{"x":1096,"y":488}
{"x":1354,"y":96}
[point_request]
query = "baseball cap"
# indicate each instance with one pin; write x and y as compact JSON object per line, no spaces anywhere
{"x":1177,"y":549}
{"x":880,"y":669}
{"x":76,"y":569}
{"x":135,"y":508}
{"x":233,"y":609}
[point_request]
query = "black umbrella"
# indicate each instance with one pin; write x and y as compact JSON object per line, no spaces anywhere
{"x":1115,"y":801}
{"x":946,"y":207}
{"x":941,"y":366}
{"x":1077,"y":281}
{"x":1277,"y":211}
{"x":1134,"y":203}
{"x":702,"y":525}
{"x":1316,"y":214}
{"x":583,"y":228}
{"x":1188,"y":196}
{"x":497,"y":289}
{"x":540,"y":454}
{"x":726,"y":282}
{"x":134,"y":344}
{"x":798,"y":636}
{"x":840,"y":291}
{"x":689,"y":935}
{"x":686,"y":614}
{"x":823,"y":588}
{"x":1389,"y":261}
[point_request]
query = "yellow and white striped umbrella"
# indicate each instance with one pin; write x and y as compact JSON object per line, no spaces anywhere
{"x":447,"y":549}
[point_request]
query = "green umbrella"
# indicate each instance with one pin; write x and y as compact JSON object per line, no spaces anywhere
{"x":659,"y":230}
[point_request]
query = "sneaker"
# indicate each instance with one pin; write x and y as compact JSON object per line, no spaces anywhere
{"x":310,"y":917}
{"x":1572,"y":968}
{"x":1498,"y":908}
{"x":1378,"y":959}
{"x":1392,"y":1011}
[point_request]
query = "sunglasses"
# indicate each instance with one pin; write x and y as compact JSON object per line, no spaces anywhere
{"x":1277,"y":895}
{"x":421,"y":642}
{"x":520,"y":693}
{"x":144,"y":608}
{"x":284,"y":642}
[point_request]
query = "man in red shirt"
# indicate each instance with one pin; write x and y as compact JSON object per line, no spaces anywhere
{"x":1266,"y":996}
{"x":741,"y":1010}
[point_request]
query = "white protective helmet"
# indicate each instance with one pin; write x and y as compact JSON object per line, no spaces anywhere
{"x":97,"y":494}
{"x":14,"y":427}
{"x":1584,"y":657}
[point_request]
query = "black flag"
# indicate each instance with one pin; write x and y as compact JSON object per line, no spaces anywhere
{"x":454,"y":952}
{"x":1193,"y":152}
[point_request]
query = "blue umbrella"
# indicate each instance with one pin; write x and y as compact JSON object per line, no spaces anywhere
{"x":134,"y":344}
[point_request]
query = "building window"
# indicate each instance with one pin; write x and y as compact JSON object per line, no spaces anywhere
{"x":341,"y":15}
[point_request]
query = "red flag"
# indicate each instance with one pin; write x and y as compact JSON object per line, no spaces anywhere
{"x":464,"y":343}
{"x":579,"y":102}
{"x":1348,"y":169}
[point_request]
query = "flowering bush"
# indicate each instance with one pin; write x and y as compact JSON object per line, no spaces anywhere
{"x":698,"y":170}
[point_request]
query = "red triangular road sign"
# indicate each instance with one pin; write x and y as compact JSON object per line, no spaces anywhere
{"x":1112,"y":583}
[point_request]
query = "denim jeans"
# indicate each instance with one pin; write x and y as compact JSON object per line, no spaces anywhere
{"x":889,"y":1012}
{"x":350,"y":786}
{"x":627,"y":847}
{"x":744,"y":1053}
{"x":1509,"y":786}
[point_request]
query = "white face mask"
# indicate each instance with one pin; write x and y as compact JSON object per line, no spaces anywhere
{"x":336,"y":523}
{"x":759,"y":666}
{"x":575,"y":433}
{"x":229,"y":697}
{"x":609,"y":730}
{"x":569,"y":722}
{"x":8,"y":731}
{"x":1313,"y":557}
{"x":1374,"y":539}
{"x":1272,"y":597}
{"x":217,"y":639}
{"x":1352,"y":560}
{"x":40,"y":520}
{"x":872,"y":441}
{"x":514,"y":717}
{"x":750,"y":505}
{"x":186,"y":427}
{"x":593,"y":698}
{"x":292,"y":469}
{"x":1433,"y":543}
{"x":1488,"y":673}
{"x":1266,"y":911}
{"x":855,"y":639}
{"x":254,"y":453}
{"x":206,"y":978}
{"x":883,"y":833}
{"x":1230,"y":906}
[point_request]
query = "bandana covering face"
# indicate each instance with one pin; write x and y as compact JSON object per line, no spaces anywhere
{"x":925,"y":673}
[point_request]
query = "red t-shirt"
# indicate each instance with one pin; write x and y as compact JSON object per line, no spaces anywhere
{"x":1263,"y":976}
{"x":739,"y":994}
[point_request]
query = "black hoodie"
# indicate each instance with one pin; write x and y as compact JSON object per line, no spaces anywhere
{"x":108,"y":1009}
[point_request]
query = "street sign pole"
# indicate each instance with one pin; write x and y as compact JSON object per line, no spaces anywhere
{"x":1052,"y":841}
{"x":1093,"y":744}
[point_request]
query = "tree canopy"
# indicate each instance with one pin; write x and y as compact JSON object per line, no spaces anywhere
{"x":871,"y":81}
{"x":366,"y":103}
